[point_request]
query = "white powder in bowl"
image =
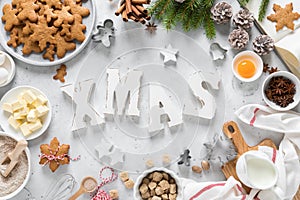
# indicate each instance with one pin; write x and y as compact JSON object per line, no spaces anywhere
{"x":17,"y":176}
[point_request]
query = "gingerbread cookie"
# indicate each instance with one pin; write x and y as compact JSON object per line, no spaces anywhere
{"x":30,"y":46}
{"x":15,"y":35}
{"x":63,"y":15}
{"x":9,"y":17}
{"x":61,"y":73}
{"x":284,"y":16}
{"x":49,"y":54}
{"x":42,"y":33}
{"x":76,"y":8}
{"x":28,"y":11}
{"x":54,"y":154}
{"x":62,"y":46}
{"x":48,"y":13}
{"x":76,"y":30}
{"x":53,"y":3}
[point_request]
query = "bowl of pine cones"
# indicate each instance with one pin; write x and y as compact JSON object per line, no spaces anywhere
{"x":281,"y":91}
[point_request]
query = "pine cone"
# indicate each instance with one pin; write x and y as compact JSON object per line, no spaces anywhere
{"x":221,"y":12}
{"x":243,"y":19}
{"x":238,"y":38}
{"x":263,"y":45}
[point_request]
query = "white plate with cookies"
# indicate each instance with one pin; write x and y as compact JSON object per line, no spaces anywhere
{"x":50,"y":37}
{"x":25,"y":112}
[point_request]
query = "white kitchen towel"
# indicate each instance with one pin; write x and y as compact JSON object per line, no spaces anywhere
{"x":264,"y":117}
{"x":288,"y":166}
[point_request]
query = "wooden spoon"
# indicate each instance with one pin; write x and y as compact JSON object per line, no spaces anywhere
{"x":88,"y":184}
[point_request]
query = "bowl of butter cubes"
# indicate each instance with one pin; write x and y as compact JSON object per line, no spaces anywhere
{"x":25,"y":112}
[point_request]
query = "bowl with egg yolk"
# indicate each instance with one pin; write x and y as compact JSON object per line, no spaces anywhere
{"x":247,"y":66}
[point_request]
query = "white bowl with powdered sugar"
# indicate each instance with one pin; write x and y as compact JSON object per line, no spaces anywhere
{"x":19,"y":176}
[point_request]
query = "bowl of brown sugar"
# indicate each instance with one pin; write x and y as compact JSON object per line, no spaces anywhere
{"x":11,"y":185}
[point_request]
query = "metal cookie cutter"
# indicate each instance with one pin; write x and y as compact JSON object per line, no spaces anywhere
{"x":104,"y":32}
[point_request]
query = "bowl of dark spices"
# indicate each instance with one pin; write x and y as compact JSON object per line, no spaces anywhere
{"x":281,"y":91}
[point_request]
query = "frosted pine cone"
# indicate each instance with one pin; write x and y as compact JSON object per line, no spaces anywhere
{"x":243,"y":19}
{"x":263,"y":45}
{"x":221,"y":12}
{"x":238,"y":38}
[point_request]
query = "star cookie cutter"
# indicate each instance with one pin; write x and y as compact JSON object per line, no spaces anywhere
{"x":104,"y":32}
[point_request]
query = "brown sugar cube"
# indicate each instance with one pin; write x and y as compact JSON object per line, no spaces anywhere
{"x":146,"y":195}
{"x":172,"y":196}
{"x":149,"y":163}
{"x":165,"y":197}
{"x":165,"y":176}
{"x":156,"y":198}
{"x":166,"y":159}
{"x":152,"y":185}
{"x":146,"y":181}
{"x":143,"y":188}
{"x":124,"y":176}
{"x":172,"y":181}
{"x":114,"y":194}
{"x":164,"y":185}
{"x":157,"y":176}
{"x":129,"y":184}
{"x":159,"y":191}
{"x":172,"y":188}
{"x":196,"y":169}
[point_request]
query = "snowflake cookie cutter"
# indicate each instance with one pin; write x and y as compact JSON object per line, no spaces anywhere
{"x":104,"y":31}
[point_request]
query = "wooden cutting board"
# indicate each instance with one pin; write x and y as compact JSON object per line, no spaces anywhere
{"x":232,"y":131}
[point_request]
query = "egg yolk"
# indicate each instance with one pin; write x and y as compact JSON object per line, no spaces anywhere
{"x":246,"y":69}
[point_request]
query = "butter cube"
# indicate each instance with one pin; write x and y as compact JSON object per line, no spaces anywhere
{"x":42,"y":110}
{"x":14,"y":123}
{"x":25,"y":129}
{"x":29,"y":96}
{"x":17,"y":105}
{"x":19,"y":115}
{"x":34,"y":126}
{"x":7,"y":107}
{"x":32,"y":115}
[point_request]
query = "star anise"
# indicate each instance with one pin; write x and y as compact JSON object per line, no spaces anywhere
{"x":278,"y":91}
{"x":290,"y":89}
{"x":273,"y":69}
{"x":151,"y":27}
{"x":283,"y":101}
{"x":266,"y":68}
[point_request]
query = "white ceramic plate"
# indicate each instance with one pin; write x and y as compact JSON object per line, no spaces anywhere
{"x":11,"y":195}
{"x":37,"y":59}
{"x":11,"y":96}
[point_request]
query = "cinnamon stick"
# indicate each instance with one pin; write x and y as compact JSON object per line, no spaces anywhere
{"x":142,"y":21}
{"x":140,"y":1}
{"x":133,"y":18}
{"x":136,"y":11}
{"x":120,"y":10}
{"x":141,"y":9}
{"x":148,"y":18}
{"x":128,"y":7}
{"x":124,"y":16}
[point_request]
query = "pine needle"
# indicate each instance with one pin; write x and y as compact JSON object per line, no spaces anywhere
{"x":262,"y":9}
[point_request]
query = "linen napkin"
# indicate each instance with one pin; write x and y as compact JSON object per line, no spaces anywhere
{"x":266,"y":118}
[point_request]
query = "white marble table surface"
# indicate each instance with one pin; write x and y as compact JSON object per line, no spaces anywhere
{"x":41,"y":77}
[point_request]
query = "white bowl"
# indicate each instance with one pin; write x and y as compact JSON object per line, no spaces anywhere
{"x":287,"y":75}
{"x":10,"y":66}
{"x":11,"y":96}
{"x":247,"y":55}
{"x":136,"y":192}
{"x":11,"y":195}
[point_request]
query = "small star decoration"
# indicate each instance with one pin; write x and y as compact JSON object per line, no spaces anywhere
{"x":169,"y":55}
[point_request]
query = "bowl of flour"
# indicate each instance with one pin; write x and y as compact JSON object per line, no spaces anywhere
{"x":19,"y":176}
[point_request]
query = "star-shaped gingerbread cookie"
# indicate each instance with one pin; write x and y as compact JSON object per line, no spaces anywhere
{"x":54,"y":154}
{"x":284,"y":16}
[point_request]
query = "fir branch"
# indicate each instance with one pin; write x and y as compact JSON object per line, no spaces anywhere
{"x":262,"y":9}
{"x":209,"y":27}
{"x":243,"y":2}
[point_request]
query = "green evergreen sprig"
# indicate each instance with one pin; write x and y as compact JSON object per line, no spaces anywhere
{"x":191,"y":14}
{"x":262,"y":9}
